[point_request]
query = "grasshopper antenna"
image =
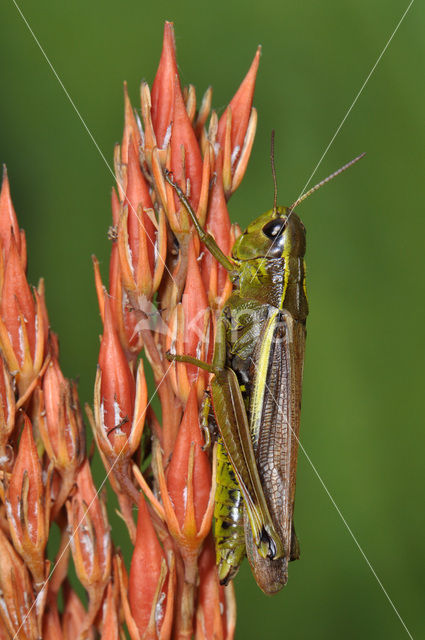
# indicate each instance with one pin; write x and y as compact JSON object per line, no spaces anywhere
{"x":273,"y":173}
{"x":322,"y":182}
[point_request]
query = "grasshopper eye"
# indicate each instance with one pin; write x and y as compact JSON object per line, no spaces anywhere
{"x":274,"y":228}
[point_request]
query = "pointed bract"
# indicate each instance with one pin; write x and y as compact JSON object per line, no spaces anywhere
{"x":162,"y":96}
{"x":27,"y":506}
{"x":146,"y":597}
{"x":118,"y":387}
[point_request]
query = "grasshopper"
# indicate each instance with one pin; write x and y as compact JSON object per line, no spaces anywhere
{"x":255,"y":390}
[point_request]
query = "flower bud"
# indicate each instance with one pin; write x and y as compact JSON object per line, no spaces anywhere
{"x":22,"y":324}
{"x":17,"y":611}
{"x":90,"y":539}
{"x":215,"y":277}
{"x":151,"y":584}
{"x":186,"y":160}
{"x":187,"y":495}
{"x":236,"y":131}
{"x":27,"y":509}
{"x":74,"y":618}
{"x":110,"y":621}
{"x":162,"y":96}
{"x":61,"y":427}
{"x":216,"y":611}
{"x":117,"y":387}
{"x":9,"y":226}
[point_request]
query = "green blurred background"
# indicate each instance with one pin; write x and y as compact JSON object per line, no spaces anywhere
{"x":362,"y":423}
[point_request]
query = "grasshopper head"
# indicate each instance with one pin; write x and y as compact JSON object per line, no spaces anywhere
{"x":277,"y":233}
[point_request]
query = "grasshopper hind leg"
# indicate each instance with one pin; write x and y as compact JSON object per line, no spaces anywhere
{"x":228,"y":511}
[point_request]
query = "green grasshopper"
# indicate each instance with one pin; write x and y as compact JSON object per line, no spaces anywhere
{"x":255,"y":390}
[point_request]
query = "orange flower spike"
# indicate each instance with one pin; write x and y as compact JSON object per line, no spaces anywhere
{"x":90,"y":539}
{"x":198,"y":337}
{"x":117,"y":389}
{"x":27,"y":511}
{"x":16,"y":606}
{"x":241,"y":119}
{"x":186,"y":160}
{"x":189,"y":482}
{"x":8,"y":221}
{"x":162,"y":97}
{"x":150,"y":588}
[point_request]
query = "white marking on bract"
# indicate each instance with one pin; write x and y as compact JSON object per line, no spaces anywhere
{"x":159,"y":610}
{"x":118,"y":416}
{"x":234,"y":155}
{"x":167,"y":137}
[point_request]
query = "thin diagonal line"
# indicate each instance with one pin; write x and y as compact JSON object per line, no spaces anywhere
{"x":338,"y":129}
{"x":338,"y":510}
{"x":74,"y":106}
{"x":71,"y":537}
{"x":357,"y":97}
